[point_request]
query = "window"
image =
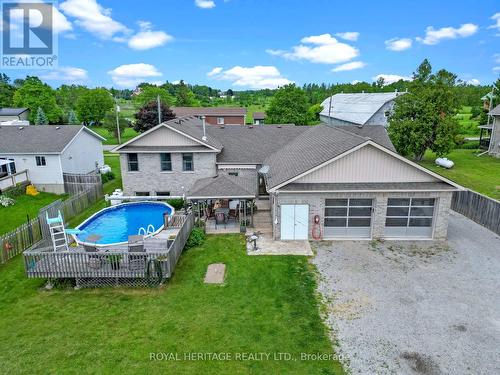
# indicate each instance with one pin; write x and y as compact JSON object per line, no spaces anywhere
{"x":409,"y":217}
{"x":187,"y":162}
{"x":163,"y":194}
{"x":220,"y":120}
{"x":348,"y":217}
{"x":235,"y":174}
{"x":133,"y":163}
{"x":40,"y":161}
{"x":142,"y":193}
{"x":166,"y":162}
{"x":8,"y":168}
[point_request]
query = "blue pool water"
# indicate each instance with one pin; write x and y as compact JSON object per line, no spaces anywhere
{"x":115,"y":224}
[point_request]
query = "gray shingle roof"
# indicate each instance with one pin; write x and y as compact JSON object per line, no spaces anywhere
{"x":193,"y":127}
{"x":369,"y":186}
{"x":356,"y":108}
{"x":223,"y":186}
{"x":252,"y":144}
{"x":495,"y":111}
{"x":311,"y":148}
{"x":209,"y":111}
{"x":36,"y":138}
{"x":12,"y":111}
{"x":376,"y":133}
{"x":259,"y":115}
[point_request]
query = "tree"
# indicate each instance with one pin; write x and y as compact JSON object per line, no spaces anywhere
{"x":34,"y":94}
{"x":110,"y":124}
{"x":313,"y":113}
{"x":150,"y":93}
{"x":147,"y":116}
{"x":72,"y":118}
{"x":6,"y":91}
{"x":67,"y":96}
{"x":424,"y":117}
{"x":184,"y":97}
{"x":92,"y":106}
{"x":288,"y":106}
{"x":40,"y":118}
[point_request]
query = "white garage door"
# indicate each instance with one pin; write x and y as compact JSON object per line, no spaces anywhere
{"x":294,"y":221}
{"x":348,"y":218}
{"x":409,"y":217}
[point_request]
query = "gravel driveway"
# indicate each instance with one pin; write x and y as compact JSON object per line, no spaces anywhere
{"x":415,"y":307}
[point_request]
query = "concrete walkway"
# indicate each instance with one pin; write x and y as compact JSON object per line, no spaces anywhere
{"x":108,"y":147}
{"x":266,"y":246}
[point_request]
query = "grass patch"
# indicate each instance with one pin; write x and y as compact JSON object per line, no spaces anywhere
{"x":128,"y":134}
{"x":16,"y":215}
{"x":267,"y":304}
{"x":481,"y":174}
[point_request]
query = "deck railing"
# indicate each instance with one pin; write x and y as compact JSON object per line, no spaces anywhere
{"x":108,"y":267}
{"x":13,"y":179}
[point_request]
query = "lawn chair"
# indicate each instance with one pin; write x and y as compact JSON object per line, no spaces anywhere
{"x":136,"y":245}
{"x":220,"y":218}
{"x":95,"y":261}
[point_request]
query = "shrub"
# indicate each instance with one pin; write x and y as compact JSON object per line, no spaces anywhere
{"x":176,"y":203}
{"x":16,"y":191}
{"x":6,"y":201}
{"x":106,"y":177}
{"x":459,"y":139}
{"x":468,"y":145}
{"x":196,"y":238}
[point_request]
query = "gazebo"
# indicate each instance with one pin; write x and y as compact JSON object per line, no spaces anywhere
{"x":224,"y":202}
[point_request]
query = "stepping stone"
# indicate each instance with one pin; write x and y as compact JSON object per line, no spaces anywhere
{"x":215,"y":273}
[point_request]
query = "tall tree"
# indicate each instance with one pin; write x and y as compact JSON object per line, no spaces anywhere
{"x":147,"y":116}
{"x":424,"y":117}
{"x":184,"y":97}
{"x":34,"y":94}
{"x":110,"y":124}
{"x":6,"y":91}
{"x":150,"y":93}
{"x":67,"y":96}
{"x":40,"y":118}
{"x":72,"y":118}
{"x":288,"y":106}
{"x":92,"y":106}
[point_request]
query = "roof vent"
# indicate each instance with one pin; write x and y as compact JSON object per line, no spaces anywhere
{"x":250,"y":127}
{"x":222,"y":126}
{"x":279,"y":126}
{"x":58,"y":127}
{"x":21,"y":127}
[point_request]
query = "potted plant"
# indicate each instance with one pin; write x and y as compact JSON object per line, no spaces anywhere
{"x":114,"y":260}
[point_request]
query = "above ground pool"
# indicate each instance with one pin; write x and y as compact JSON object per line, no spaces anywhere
{"x":113,"y":225}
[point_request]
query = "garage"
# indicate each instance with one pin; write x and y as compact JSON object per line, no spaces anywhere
{"x":348,"y":218}
{"x":409,"y":217}
{"x":294,"y":221}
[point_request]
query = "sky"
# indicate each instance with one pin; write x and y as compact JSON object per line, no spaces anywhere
{"x":253,"y":44}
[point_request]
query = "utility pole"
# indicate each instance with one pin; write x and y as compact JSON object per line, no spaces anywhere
{"x":118,"y":124}
{"x":159,"y":109}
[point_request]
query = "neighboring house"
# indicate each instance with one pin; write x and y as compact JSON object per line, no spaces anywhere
{"x":358,"y":109}
{"x":487,"y":99}
{"x":321,"y":181}
{"x":46,"y":152}
{"x":13,"y":114}
{"x":258,"y":118}
{"x":214,"y":115}
{"x":494,"y":144}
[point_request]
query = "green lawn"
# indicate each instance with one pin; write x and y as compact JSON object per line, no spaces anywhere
{"x":481,"y":174}
{"x":468,"y":126}
{"x":128,"y":134}
{"x":267,"y":304}
{"x":14,"y":216}
{"x":251,"y":109}
{"x":113,"y":160}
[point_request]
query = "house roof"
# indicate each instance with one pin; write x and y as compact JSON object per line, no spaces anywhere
{"x":209,"y":111}
{"x":252,"y":144}
{"x":224,"y":186}
{"x":43,"y":139}
{"x":369,"y":186}
{"x":355,"y":108}
{"x":495,"y":111}
{"x":259,"y":115}
{"x":12,"y":111}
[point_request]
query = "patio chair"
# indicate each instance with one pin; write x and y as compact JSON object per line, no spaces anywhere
{"x":220,"y":218}
{"x":136,"y":245}
{"x":95,"y":261}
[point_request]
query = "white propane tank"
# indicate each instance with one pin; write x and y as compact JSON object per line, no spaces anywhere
{"x":105,"y":169}
{"x":445,"y":163}
{"x":115,"y":197}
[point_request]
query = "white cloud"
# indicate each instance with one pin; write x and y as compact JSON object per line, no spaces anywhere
{"x":496,"y":69}
{"x":391,"y":78}
{"x":60,"y":23}
{"x":214,"y":71}
{"x":349,"y":35}
{"x":321,"y":49}
{"x":256,"y":77}
{"x":130,"y":75}
{"x":473,"y":82}
{"x":496,"y":57}
{"x":147,"y":38}
{"x":496,"y":18}
{"x":398,"y":44}
{"x":433,"y":36}
{"x":94,"y":18}
{"x":66,"y":74}
{"x":205,"y":4}
{"x":349,"y":66}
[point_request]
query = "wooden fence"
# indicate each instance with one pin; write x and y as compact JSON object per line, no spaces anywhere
{"x":478,"y":207}
{"x":76,"y":183}
{"x":34,"y":231}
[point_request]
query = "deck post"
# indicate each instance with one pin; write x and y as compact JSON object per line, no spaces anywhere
{"x":251,"y":213}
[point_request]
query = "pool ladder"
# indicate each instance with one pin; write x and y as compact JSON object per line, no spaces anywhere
{"x":145,"y":232}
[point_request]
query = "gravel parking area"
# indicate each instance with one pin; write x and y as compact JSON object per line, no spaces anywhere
{"x":415,"y":307}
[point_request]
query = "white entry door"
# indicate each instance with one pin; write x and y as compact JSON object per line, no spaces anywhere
{"x":294,"y":221}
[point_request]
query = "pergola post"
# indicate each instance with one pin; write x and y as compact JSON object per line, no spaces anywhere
{"x":251,"y":213}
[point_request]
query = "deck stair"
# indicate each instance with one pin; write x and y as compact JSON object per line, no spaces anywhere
{"x":57,"y":232}
{"x":262,"y":219}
